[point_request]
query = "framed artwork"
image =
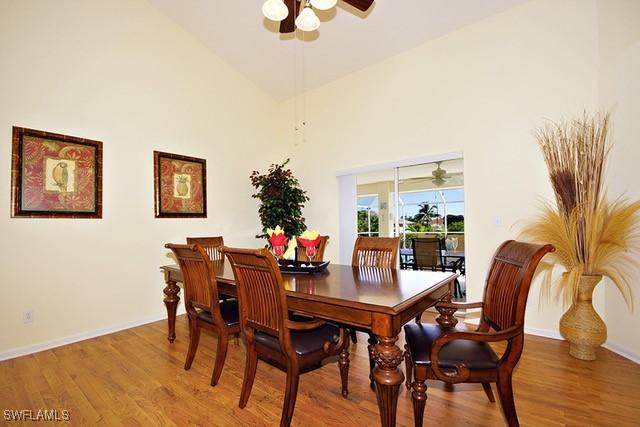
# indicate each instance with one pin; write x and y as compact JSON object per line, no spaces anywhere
{"x":55,"y":176}
{"x":180,"y":184}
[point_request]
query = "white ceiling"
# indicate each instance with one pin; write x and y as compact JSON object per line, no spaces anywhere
{"x":348,"y":40}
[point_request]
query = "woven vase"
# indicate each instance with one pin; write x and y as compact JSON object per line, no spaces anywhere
{"x":581,"y":325}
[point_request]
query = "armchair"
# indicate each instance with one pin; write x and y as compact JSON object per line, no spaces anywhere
{"x":440,"y":352}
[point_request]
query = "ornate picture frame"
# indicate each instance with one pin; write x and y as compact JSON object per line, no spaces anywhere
{"x":180,"y":186}
{"x":55,"y":176}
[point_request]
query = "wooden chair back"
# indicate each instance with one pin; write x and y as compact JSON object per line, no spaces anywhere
{"x":427,"y":253}
{"x":301,"y":255}
{"x":211,"y":245}
{"x":381,"y":252}
{"x":261,"y":294}
{"x":508,"y":282}
{"x":200,"y":285}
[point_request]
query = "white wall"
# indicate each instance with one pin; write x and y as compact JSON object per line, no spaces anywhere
{"x":619,"y":25}
{"x":120,"y":72}
{"x":480,"y":90}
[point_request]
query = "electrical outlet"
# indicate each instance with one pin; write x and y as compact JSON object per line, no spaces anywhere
{"x":27,"y":316}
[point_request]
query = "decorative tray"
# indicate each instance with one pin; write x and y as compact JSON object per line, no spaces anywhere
{"x":302,"y":267}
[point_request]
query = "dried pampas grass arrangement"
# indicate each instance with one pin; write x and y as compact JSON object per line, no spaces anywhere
{"x":592,"y":235}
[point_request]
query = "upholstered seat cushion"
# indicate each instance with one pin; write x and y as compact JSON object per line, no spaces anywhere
{"x":305,"y":343}
{"x":474,"y":354}
{"x":228,"y":309}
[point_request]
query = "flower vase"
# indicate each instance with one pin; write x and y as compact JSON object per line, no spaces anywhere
{"x":581,"y":325}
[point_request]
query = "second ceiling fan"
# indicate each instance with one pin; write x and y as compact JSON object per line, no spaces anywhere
{"x":299,"y":13}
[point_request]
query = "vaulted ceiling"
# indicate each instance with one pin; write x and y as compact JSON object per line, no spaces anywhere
{"x":348,"y":40}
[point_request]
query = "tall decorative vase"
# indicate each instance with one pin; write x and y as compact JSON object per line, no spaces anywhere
{"x":581,"y":325}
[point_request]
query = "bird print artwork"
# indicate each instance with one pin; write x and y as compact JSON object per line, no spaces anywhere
{"x":60,"y":175}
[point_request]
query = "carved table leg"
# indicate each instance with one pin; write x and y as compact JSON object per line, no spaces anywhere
{"x":388,"y":378}
{"x":171,"y":301}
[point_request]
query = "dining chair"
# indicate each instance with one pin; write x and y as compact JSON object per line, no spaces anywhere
{"x":378,"y":252}
{"x":301,"y":254}
{"x":294,"y":347}
{"x":203,"y":304}
{"x":440,"y":352}
{"x":381,"y":252}
{"x":211,"y":245}
{"x":427,"y":255}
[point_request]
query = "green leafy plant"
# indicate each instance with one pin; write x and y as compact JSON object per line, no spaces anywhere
{"x":426,"y":214}
{"x":281,"y":200}
{"x":363,"y":222}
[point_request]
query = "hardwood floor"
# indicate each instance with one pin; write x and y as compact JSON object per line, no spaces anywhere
{"x":136,"y":378}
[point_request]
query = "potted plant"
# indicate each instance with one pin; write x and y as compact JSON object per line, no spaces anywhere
{"x":593,"y":235}
{"x":281,"y":200}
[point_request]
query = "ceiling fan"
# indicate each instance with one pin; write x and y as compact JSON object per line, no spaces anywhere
{"x":299,"y":13}
{"x":439,"y":175}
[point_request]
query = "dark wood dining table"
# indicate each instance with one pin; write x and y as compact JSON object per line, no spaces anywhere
{"x":374,"y":299}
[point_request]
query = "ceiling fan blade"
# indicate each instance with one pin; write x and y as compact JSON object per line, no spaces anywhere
{"x":288,"y":24}
{"x":362,"y":5}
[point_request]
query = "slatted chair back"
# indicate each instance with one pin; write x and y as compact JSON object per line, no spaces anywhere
{"x":200,"y":285}
{"x":211,"y":245}
{"x":301,"y":254}
{"x":263,"y":302}
{"x":427,"y":253}
{"x":381,"y":252}
{"x":508,"y":282}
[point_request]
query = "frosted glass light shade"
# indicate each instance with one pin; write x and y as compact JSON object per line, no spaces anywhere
{"x":275,"y":10}
{"x":307,"y":20}
{"x":323,"y":4}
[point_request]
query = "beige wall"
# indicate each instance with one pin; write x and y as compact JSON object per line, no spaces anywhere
{"x":120,"y":72}
{"x":619,"y":24}
{"x":480,"y":90}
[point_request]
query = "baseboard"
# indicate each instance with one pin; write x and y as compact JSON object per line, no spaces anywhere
{"x":622,"y":351}
{"x":547,"y":333}
{"x":35,"y":348}
{"x":616,"y":348}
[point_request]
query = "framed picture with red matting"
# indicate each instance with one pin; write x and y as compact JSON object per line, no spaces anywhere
{"x":180,"y":184}
{"x":55,"y":176}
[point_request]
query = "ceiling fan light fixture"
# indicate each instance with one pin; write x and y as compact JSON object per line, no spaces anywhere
{"x":308,"y":20}
{"x":323,"y":4}
{"x":275,"y":10}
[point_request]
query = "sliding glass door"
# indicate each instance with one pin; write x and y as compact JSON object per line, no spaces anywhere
{"x":422,"y":200}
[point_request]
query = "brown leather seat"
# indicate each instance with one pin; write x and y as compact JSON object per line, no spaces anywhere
{"x":474,"y":354}
{"x":304,"y":343}
{"x":229,"y":311}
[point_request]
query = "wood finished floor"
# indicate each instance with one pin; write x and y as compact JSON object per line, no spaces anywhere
{"x":135,"y":378}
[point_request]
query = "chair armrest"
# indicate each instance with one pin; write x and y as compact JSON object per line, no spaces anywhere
{"x":459,"y":305}
{"x":462,"y":372}
{"x":304,"y":326}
